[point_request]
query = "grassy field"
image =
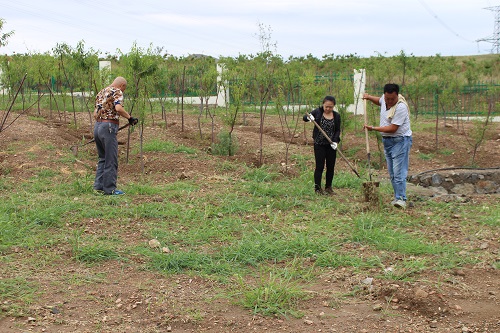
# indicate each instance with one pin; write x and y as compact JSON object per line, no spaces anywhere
{"x":261,"y":235}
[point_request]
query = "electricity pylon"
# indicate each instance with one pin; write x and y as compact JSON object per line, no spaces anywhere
{"x":495,"y":38}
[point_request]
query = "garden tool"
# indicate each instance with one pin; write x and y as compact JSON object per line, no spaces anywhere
{"x":331,"y":142}
{"x":370,"y":188}
{"x":74,"y":148}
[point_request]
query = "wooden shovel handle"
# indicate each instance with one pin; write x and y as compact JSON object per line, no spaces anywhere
{"x":366,"y":129}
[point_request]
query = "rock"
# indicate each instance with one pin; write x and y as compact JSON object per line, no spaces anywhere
{"x":388,"y":270}
{"x":463,"y":189}
{"x":308,"y":322}
{"x":154,"y":244}
{"x":436,"y":180}
{"x":419,"y":293}
{"x":486,"y":187}
{"x":367,"y":281}
{"x":484,"y":246}
{"x":377,"y":307}
{"x":439,"y":191}
{"x":459,"y":272}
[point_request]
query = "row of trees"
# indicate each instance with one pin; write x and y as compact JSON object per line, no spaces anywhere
{"x":67,"y":78}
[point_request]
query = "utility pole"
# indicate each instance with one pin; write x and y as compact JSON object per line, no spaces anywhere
{"x":495,"y":38}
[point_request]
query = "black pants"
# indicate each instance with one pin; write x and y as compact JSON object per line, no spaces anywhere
{"x":324,"y":154}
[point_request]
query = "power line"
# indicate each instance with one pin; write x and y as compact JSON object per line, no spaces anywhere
{"x":442,"y":22}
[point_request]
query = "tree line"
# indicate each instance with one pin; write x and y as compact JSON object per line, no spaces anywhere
{"x":67,"y":78}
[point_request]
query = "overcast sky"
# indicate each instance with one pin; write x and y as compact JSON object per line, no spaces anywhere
{"x":231,"y":27}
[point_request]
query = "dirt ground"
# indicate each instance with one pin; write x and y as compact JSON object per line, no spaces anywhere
{"x":126,"y":298}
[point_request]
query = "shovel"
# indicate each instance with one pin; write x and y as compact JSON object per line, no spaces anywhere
{"x":74,"y":148}
{"x":338,"y":149}
{"x":370,"y":188}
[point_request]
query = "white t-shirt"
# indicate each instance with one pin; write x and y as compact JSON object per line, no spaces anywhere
{"x":401,"y":118}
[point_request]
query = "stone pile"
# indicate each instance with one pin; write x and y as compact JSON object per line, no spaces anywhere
{"x":460,"y":181}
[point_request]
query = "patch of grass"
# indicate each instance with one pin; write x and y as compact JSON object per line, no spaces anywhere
{"x":166,"y":147}
{"x":343,"y":179}
{"x":226,"y":166}
{"x":94,"y":253}
{"x":193,"y":261}
{"x":261,"y":221}
{"x":92,"y":250}
{"x":490,"y":216}
{"x":262,"y":174}
{"x":35,"y":118}
{"x":369,"y":229}
{"x":273,"y":295}
{"x":425,"y":157}
{"x":446,"y":152}
{"x":15,"y":293}
{"x":227,"y":145}
{"x":47,"y":173}
{"x":302,"y":161}
{"x":335,"y":259}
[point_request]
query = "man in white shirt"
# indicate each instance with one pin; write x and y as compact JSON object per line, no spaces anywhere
{"x":397,"y":138}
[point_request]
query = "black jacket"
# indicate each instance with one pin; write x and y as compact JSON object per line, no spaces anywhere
{"x":318,"y":113}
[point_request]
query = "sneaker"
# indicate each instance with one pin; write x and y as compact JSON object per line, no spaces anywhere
{"x":329,"y":191}
{"x":117,"y":192}
{"x":393,"y":202}
{"x":400,"y":204}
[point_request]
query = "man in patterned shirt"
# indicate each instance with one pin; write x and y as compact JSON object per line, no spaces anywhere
{"x":108,"y":109}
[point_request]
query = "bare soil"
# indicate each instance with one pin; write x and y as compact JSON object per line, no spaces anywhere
{"x":123,"y":297}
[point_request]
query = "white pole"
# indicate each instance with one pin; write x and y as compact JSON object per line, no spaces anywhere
{"x":359,"y":90}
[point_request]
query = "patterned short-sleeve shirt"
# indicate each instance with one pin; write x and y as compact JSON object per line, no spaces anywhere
{"x":328,"y":125}
{"x":105,"y":103}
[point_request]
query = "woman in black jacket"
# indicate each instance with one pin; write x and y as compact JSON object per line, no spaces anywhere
{"x":324,"y":152}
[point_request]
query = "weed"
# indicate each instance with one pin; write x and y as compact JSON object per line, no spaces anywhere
{"x":273,"y":295}
{"x":425,"y":157}
{"x":227,"y":144}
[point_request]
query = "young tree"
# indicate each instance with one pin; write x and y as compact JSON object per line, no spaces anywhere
{"x":4,"y":36}
{"x":138,"y":65}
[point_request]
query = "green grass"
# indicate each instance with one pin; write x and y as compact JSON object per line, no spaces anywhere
{"x":166,"y":147}
{"x":446,"y":152}
{"x":273,"y":295}
{"x":14,"y":292}
{"x":254,"y":225}
{"x":425,"y":157}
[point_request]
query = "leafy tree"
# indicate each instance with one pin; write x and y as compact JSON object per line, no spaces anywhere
{"x":138,"y":65}
{"x":4,"y":36}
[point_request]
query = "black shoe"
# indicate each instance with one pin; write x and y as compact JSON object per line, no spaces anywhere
{"x":319,"y":191}
{"x":329,"y":191}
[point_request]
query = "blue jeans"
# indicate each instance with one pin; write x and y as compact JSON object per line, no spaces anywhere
{"x":397,"y":155}
{"x":107,"y":148}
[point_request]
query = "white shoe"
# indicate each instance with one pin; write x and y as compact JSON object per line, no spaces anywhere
{"x":400,"y":204}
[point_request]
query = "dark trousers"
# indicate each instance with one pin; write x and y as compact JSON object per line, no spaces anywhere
{"x":107,"y":148}
{"x":324,"y":154}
